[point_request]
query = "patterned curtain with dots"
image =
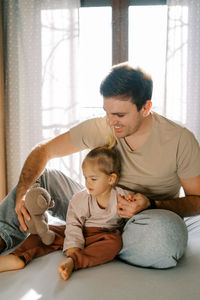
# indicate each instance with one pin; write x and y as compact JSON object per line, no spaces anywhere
{"x":2,"y":129}
{"x":40,"y":62}
{"x":182,"y":87}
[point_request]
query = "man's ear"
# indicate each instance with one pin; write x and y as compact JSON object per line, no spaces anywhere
{"x":146,"y":108}
{"x":112,"y":178}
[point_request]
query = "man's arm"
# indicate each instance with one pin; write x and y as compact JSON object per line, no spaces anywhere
{"x":35,"y":164}
{"x":188,"y":205}
{"x":184,"y":206}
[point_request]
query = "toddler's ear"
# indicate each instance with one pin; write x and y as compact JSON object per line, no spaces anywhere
{"x":112,"y":178}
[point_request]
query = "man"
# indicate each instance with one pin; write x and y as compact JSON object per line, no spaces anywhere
{"x":158,"y":157}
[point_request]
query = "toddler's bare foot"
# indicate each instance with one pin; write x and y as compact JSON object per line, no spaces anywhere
{"x":66,"y":267}
{"x":11,"y":262}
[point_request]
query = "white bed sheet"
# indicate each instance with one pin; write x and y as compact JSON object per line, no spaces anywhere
{"x":114,"y":280}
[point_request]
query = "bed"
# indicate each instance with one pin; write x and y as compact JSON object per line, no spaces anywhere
{"x":114,"y":280}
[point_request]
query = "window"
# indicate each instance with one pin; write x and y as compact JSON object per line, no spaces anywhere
{"x":116,"y":31}
{"x":95,"y":57}
{"x":147,"y":45}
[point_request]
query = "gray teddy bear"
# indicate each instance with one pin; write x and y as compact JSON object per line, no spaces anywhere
{"x":37,"y":201}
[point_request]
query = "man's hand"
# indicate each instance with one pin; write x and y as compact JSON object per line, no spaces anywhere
{"x":22,"y":213}
{"x":133,"y":204}
{"x":71,"y":250}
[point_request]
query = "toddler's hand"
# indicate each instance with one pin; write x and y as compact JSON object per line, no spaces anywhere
{"x":133,"y":204}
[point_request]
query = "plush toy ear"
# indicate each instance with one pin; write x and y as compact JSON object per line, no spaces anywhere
{"x":42,"y":202}
{"x":35,"y":185}
{"x":52,"y":204}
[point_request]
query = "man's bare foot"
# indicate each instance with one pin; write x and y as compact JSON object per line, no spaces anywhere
{"x":11,"y":262}
{"x":2,"y":245}
{"x":66,"y":267}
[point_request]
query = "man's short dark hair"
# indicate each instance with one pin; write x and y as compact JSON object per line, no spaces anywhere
{"x":127,"y":82}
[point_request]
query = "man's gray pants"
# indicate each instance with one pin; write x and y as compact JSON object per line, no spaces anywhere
{"x":153,"y":238}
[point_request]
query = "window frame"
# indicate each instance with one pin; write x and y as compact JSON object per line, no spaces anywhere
{"x":120,"y":23}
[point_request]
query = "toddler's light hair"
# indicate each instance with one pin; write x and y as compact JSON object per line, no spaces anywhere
{"x":107,"y":159}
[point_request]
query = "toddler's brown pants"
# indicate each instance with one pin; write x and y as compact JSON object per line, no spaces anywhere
{"x":101,"y":246}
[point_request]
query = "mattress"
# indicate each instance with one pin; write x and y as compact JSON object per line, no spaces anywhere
{"x":114,"y":280}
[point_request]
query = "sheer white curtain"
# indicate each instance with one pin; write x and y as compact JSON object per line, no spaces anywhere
{"x":41,"y":59}
{"x":40,"y":39}
{"x":2,"y":130}
{"x":182,"y":101}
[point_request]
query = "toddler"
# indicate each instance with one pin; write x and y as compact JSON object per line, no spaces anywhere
{"x":92,"y":232}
